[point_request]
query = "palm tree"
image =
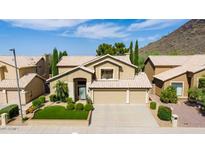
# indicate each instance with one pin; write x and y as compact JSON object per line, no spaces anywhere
{"x":61,"y":90}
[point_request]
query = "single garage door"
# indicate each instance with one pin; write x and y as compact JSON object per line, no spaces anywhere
{"x":109,"y":96}
{"x":137,"y":96}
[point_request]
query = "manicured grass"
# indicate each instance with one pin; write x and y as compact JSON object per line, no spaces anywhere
{"x":59,"y":112}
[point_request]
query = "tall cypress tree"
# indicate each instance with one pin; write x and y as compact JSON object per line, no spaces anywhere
{"x":131,"y":52}
{"x":136,"y":54}
{"x":54,"y":62}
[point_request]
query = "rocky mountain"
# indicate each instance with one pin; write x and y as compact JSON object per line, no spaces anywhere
{"x":188,"y":39}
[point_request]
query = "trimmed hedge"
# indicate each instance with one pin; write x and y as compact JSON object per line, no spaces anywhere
{"x":69,"y":100}
{"x":42,"y":99}
{"x":88,"y":107}
{"x":37,"y":103}
{"x":70,"y":106}
{"x":53,"y":98}
{"x":11,"y":110}
{"x":153,"y":105}
{"x":79,"y":106}
{"x":164,"y":113}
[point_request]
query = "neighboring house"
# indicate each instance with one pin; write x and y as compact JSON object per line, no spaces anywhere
{"x":106,"y":79}
{"x":182,"y":72}
{"x":32,"y":72}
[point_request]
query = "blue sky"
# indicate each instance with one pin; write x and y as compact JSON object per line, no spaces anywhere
{"x":78,"y":37}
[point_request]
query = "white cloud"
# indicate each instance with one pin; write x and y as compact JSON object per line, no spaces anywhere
{"x":45,"y":24}
{"x":98,"y":31}
{"x":152,"y":24}
{"x":149,"y":38}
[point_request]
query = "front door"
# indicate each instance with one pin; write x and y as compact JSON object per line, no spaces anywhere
{"x":82,"y":92}
{"x":178,"y":87}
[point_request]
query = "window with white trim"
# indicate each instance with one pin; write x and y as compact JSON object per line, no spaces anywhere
{"x":106,"y":73}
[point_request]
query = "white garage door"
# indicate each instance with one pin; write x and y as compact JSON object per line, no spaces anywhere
{"x":109,"y":96}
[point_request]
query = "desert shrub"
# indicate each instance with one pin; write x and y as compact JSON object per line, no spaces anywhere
{"x":169,"y":95}
{"x":202,"y":83}
{"x":11,"y":110}
{"x":194,"y":93}
{"x":37,"y":103}
{"x":79,"y":106}
{"x":88,"y":107}
{"x":153,"y":105}
{"x":70,"y":106}
{"x":69,"y":100}
{"x":164,"y":113}
{"x":42,"y":99}
{"x":53,"y":98}
{"x":31,"y":109}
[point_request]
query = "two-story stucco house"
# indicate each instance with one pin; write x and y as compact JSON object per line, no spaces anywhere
{"x":182,"y":72}
{"x":32,"y":72}
{"x":106,"y":79}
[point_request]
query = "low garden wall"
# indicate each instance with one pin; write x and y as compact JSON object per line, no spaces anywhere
{"x":63,"y":122}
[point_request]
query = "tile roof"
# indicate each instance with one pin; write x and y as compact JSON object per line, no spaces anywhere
{"x":140,"y":81}
{"x":23,"y":81}
{"x":22,"y":61}
{"x":80,"y":60}
{"x":193,"y":64}
{"x":168,"y":60}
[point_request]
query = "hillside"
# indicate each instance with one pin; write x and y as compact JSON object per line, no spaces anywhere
{"x":188,"y":39}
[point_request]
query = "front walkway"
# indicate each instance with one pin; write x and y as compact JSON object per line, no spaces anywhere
{"x":122,"y":115}
{"x":189,"y":116}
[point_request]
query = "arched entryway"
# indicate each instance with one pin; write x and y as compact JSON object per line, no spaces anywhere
{"x":80,"y":89}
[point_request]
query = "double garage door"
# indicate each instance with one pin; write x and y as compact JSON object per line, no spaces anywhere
{"x":109,"y":96}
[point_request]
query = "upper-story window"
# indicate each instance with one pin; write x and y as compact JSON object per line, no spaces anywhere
{"x":106,"y":73}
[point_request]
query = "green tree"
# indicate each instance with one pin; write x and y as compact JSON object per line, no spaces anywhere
{"x":131,"y":52}
{"x":136,"y":54}
{"x":120,"y":48}
{"x":61,"y":90}
{"x":104,"y":49}
{"x":54,"y":62}
{"x":60,"y":55}
{"x":65,"y":53}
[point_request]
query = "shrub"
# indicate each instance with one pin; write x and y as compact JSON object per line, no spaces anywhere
{"x":88,"y":107}
{"x":42,"y":99}
{"x":37,"y":103}
{"x":153,"y":105}
{"x":11,"y":110}
{"x":194,"y":93}
{"x":69,"y":100}
{"x":31,"y":109}
{"x":79,"y":106}
{"x":164,"y":113}
{"x":70,"y":106}
{"x":169,"y":95}
{"x":202,"y":82}
{"x":53,"y":98}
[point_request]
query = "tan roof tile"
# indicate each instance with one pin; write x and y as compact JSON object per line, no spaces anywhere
{"x":23,"y":81}
{"x":140,"y":81}
{"x":22,"y":61}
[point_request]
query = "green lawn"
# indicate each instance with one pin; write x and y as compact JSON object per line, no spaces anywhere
{"x":59,"y":112}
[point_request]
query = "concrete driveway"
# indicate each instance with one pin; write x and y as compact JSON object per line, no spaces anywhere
{"x":122,"y":115}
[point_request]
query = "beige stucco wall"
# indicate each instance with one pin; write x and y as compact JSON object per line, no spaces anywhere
{"x":138,"y":96}
{"x":27,"y":70}
{"x":107,"y":65}
{"x":127,"y":72}
{"x":195,"y":78}
{"x":182,"y":78}
{"x":1,"y":73}
{"x":9,"y":71}
{"x":107,"y":96}
{"x":69,"y":79}
{"x":41,"y":68}
{"x":160,"y":69}
{"x":149,"y":70}
{"x":63,"y":69}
